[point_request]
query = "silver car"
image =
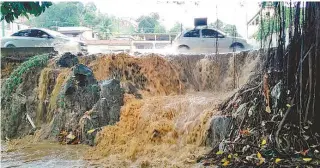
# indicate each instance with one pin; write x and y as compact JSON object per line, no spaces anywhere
{"x":207,"y":40}
{"x":40,"y":37}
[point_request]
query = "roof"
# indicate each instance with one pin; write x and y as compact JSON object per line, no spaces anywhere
{"x":73,"y":29}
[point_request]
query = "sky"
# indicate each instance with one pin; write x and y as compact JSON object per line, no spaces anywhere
{"x":230,"y":12}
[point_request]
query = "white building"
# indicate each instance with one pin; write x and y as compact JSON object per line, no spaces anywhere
{"x":254,"y":22}
{"x":79,"y":33}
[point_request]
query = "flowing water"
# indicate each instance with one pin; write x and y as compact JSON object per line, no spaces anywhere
{"x":167,"y":128}
{"x":44,"y":154}
{"x":162,"y":131}
{"x":159,"y":131}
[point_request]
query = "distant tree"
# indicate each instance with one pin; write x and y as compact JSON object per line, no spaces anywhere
{"x":12,"y":10}
{"x":150,"y":24}
{"x":90,"y":15}
{"x":64,"y":14}
{"x":176,"y":28}
{"x":218,"y":24}
{"x":146,"y":24}
{"x":159,"y":29}
{"x":104,"y":28}
{"x":60,"y":14}
{"x":226,"y":28}
{"x":124,"y":26}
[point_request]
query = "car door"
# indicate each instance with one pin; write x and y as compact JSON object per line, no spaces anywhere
{"x":192,"y":40}
{"x":22,"y":38}
{"x":208,"y":40}
{"x":41,"y":38}
{"x":213,"y":40}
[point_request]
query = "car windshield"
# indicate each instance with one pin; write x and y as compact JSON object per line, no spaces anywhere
{"x":220,"y":32}
{"x":56,"y":34}
{"x":177,"y":36}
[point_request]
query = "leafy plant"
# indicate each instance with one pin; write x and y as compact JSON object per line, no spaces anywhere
{"x":16,"y":77}
{"x":12,"y":10}
{"x":150,"y":24}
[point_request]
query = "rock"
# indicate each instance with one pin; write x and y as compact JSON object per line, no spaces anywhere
{"x":68,"y":60}
{"x":78,"y":95}
{"x":107,"y":109}
{"x":105,"y":112}
{"x":86,"y":125}
{"x":219,"y":128}
{"x":131,"y":89}
{"x":21,"y":101}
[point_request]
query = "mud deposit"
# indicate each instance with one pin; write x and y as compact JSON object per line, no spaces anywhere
{"x":168,"y":106}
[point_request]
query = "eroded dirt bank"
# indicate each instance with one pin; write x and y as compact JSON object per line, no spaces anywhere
{"x":157,"y":109}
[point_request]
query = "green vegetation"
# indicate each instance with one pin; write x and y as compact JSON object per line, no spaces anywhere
{"x":272,"y":24}
{"x":12,"y":10}
{"x":226,"y":28}
{"x":176,"y":28}
{"x":16,"y":77}
{"x":64,"y":14}
{"x":150,"y":24}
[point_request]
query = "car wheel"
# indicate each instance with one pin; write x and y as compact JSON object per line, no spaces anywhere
{"x":236,"y":47}
{"x":183,"y":49}
{"x":11,"y":46}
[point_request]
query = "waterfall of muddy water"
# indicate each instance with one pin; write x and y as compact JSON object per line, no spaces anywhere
{"x":161,"y":131}
{"x":168,"y":126}
{"x":170,"y":131}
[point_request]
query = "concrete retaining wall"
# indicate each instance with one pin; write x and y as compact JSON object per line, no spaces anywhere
{"x":24,"y":52}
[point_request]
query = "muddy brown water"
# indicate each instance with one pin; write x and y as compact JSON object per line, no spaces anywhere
{"x":44,"y":154}
{"x":180,"y":119}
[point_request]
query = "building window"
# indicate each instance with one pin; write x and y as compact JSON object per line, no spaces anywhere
{"x":268,"y":14}
{"x":18,"y":27}
{"x":92,"y":35}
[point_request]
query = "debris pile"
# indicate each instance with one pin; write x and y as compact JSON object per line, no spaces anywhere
{"x":274,"y":116}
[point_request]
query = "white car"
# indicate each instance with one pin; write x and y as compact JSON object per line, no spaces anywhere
{"x":39,"y":37}
{"x":204,"y":40}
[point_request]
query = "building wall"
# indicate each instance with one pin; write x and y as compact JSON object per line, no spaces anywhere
{"x":92,"y":49}
{"x":253,"y":26}
{"x":86,"y":35}
{"x":89,"y":35}
{"x":10,"y":28}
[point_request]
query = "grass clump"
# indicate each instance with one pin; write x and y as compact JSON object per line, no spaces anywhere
{"x":16,"y":77}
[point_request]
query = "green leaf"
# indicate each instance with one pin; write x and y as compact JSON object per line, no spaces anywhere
{"x":4,"y":10}
{"x":307,"y":159}
{"x":90,"y":131}
{"x":219,"y":152}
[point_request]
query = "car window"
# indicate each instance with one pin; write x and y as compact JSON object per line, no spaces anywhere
{"x":38,"y":33}
{"x":192,"y":33}
{"x":55,"y":34}
{"x":209,"y":33}
{"x":23,"y":33}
